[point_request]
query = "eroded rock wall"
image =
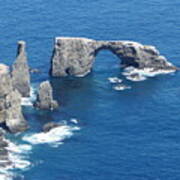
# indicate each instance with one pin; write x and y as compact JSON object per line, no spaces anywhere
{"x":10,"y":104}
{"x":75,"y":56}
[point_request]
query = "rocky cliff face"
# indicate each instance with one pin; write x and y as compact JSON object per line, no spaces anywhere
{"x":75,"y":56}
{"x":45,"y":97}
{"x":10,"y":103}
{"x":14,"y":118}
{"x":20,"y":71}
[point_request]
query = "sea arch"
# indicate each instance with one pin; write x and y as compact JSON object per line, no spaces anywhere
{"x":75,"y":56}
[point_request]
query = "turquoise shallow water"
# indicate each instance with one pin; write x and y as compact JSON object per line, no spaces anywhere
{"x":124,"y":135}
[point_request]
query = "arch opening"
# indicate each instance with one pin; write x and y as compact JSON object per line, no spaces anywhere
{"x":106,"y":62}
{"x":125,"y":61}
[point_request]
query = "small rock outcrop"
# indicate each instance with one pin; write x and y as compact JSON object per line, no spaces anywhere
{"x":45,"y":97}
{"x":10,"y":103}
{"x":75,"y":56}
{"x":20,"y":71}
{"x":51,"y":125}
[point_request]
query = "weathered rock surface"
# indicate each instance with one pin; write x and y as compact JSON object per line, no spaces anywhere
{"x":75,"y":56}
{"x":51,"y":125}
{"x":20,"y":71}
{"x":5,"y":81}
{"x":10,"y":104}
{"x":45,"y":97}
{"x":14,"y":118}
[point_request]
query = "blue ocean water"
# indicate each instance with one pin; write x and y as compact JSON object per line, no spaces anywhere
{"x":124,"y":135}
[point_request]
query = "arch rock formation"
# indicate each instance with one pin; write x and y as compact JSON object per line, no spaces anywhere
{"x":75,"y":56}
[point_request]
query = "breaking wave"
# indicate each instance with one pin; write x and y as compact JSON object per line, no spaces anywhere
{"x":54,"y":137}
{"x":114,"y":80}
{"x":28,"y":101}
{"x":121,"y":87}
{"x":117,"y":84}
{"x":135,"y":74}
{"x":18,"y":156}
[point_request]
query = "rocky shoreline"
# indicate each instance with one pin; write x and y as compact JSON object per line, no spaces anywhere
{"x":71,"y":56}
{"x":4,"y":154}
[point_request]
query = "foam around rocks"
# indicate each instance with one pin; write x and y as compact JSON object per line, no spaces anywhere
{"x":55,"y":136}
{"x":135,"y":74}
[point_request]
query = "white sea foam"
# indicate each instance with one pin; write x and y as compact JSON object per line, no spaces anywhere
{"x":114,"y":80}
{"x":73,"y":120}
{"x":6,"y":176}
{"x":17,"y":155}
{"x":136,"y":77}
{"x":28,"y":101}
{"x":135,"y":74}
{"x":53,"y":137}
{"x":121,"y":87}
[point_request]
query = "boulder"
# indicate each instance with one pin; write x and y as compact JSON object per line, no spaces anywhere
{"x":31,"y":70}
{"x":45,"y":97}
{"x":20,"y":71}
{"x":51,"y":125}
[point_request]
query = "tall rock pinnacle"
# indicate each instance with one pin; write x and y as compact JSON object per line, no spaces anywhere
{"x":20,"y":71}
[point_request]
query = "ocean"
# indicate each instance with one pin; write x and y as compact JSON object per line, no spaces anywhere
{"x":108,"y":134}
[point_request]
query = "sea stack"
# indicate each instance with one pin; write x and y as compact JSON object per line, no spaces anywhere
{"x":14,"y":118}
{"x":20,"y":71}
{"x":75,"y":56}
{"x":10,"y":103}
{"x":45,"y":97}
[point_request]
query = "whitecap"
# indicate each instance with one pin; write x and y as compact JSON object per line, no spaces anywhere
{"x":73,"y":120}
{"x":53,"y":137}
{"x":114,"y":80}
{"x":136,"y":77}
{"x":28,"y":101}
{"x":121,"y":87}
{"x":135,"y":74}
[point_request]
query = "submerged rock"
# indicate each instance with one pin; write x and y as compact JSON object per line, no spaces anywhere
{"x":31,"y":70}
{"x":75,"y":56}
{"x":20,"y":71}
{"x":51,"y":125}
{"x":45,"y":97}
